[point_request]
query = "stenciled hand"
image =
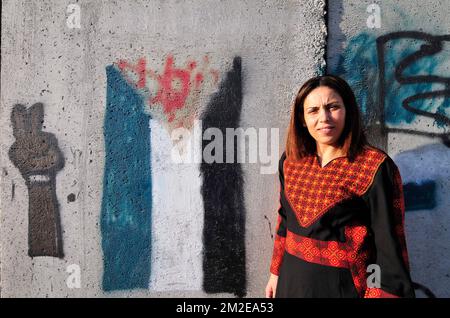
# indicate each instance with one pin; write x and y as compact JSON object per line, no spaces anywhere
{"x":37,"y":156}
{"x":34,"y":152}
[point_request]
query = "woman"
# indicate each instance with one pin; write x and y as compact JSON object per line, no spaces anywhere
{"x":340,"y":229}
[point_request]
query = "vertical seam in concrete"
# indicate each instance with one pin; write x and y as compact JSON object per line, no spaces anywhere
{"x":325,"y":48}
{"x":89,"y":35}
{"x":1,"y":175}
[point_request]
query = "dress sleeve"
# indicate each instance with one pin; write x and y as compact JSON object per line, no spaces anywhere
{"x":280,"y":234}
{"x":387,"y":212}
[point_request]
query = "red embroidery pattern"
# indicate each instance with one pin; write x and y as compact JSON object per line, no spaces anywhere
{"x":378,"y":293}
{"x":277,"y":256}
{"x":359,"y":256}
{"x":399,"y":214}
{"x":352,"y":254}
{"x":355,"y":253}
{"x":278,"y":250}
{"x":329,"y":253}
{"x":312,"y":190}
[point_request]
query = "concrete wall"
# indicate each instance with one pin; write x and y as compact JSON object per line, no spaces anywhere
{"x":90,"y":196}
{"x":396,"y":56}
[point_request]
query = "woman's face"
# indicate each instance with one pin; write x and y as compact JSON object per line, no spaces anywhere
{"x":324,"y":114}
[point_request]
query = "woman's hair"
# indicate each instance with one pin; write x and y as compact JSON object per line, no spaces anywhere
{"x":300,"y":143}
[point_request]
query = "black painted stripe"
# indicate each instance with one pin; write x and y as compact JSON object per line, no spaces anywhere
{"x":223,"y":196}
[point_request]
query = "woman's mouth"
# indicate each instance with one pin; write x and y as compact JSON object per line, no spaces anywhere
{"x":326,"y":130}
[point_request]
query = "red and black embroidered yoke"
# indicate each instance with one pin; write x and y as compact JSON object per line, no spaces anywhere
{"x":334,"y":221}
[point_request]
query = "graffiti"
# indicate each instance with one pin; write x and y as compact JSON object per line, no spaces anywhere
{"x":432,"y":46}
{"x":177,"y":214}
{"x":127,"y":188}
{"x":138,"y":69}
{"x":387,"y":74}
{"x":178,"y":263}
{"x":402,"y":67}
{"x":175,"y":97}
{"x":205,"y":224}
{"x":223,"y":196}
{"x":420,"y":195}
{"x":37,"y":156}
{"x":170,"y":97}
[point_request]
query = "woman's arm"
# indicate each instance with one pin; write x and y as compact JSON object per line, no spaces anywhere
{"x":280,"y":238}
{"x":280,"y":235}
{"x":387,"y":211}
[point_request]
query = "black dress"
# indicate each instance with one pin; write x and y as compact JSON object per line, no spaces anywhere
{"x":340,"y":229}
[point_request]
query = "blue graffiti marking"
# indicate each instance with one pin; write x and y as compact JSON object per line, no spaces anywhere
{"x":408,"y":53}
{"x":358,"y":64}
{"x":420,"y":196}
{"x":410,"y":60}
{"x":398,"y":77}
{"x":127,"y":188}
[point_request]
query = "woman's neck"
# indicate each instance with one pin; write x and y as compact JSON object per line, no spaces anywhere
{"x":326,"y":153}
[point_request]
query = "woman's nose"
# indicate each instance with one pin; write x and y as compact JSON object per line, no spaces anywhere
{"x":324,"y":115}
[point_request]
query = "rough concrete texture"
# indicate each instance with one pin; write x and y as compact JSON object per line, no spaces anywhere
{"x":112,"y":93}
{"x":403,"y":88}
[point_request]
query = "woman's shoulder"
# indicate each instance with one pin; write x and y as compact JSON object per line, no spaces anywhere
{"x":370,"y":152}
{"x":370,"y":148}
{"x":379,"y":156}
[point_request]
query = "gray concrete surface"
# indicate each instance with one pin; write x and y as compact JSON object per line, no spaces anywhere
{"x":59,"y":157}
{"x":280,"y":45}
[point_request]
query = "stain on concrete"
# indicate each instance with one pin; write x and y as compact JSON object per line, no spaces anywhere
{"x":71,"y":198}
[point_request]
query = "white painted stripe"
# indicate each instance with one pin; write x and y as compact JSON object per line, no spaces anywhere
{"x":39,"y":178}
{"x":177,"y":218}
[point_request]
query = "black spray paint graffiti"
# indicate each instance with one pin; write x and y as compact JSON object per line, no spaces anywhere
{"x":433,"y":46}
{"x":223,"y":197}
{"x":37,"y":156}
{"x":418,"y":197}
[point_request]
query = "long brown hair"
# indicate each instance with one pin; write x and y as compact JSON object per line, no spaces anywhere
{"x":300,"y":143}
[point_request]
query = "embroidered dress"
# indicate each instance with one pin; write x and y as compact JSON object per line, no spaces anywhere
{"x":334,"y":221}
